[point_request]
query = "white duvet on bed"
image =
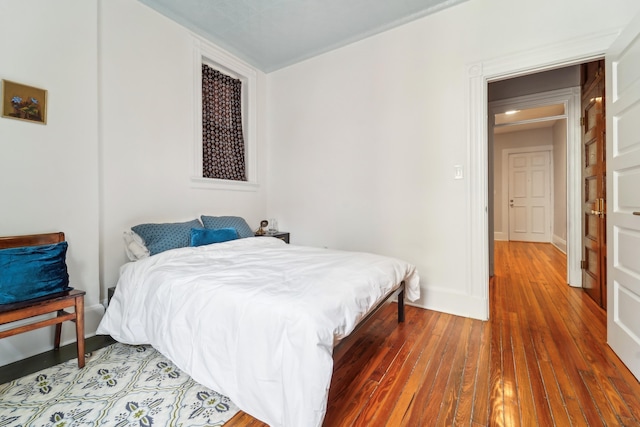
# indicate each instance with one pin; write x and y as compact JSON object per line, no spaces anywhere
{"x":255,"y":319}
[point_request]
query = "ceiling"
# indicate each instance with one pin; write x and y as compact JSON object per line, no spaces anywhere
{"x":532,"y":118}
{"x":272,"y":34}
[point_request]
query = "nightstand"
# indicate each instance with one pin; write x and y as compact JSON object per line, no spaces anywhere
{"x":282,"y":235}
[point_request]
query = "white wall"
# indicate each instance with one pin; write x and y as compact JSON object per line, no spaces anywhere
{"x":545,"y":81}
{"x":555,"y":136}
{"x":363,"y":140}
{"x":118,"y":146}
{"x":49,"y":173}
{"x":147,"y":138}
{"x":506,"y":142}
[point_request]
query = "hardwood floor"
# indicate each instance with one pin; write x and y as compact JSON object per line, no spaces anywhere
{"x":45,"y":360}
{"x":542,"y":359}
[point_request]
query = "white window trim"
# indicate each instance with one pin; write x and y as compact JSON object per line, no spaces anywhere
{"x":220,"y":60}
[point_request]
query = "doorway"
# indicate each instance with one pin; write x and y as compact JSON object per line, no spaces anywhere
{"x":623,"y":300}
{"x":479,"y":74}
{"x":533,"y":123}
{"x":579,"y":188}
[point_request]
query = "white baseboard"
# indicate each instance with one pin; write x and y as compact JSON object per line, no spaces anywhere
{"x":501,"y":236}
{"x":38,"y":341}
{"x":443,"y":300}
{"x":559,"y":243}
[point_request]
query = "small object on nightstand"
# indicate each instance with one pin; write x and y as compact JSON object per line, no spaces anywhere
{"x":282,"y":235}
{"x":261,"y":231}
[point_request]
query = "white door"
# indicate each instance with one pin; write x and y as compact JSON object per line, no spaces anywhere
{"x":529,"y":197}
{"x":623,"y":190}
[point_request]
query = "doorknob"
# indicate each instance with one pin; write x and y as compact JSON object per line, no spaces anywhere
{"x":511,"y":202}
{"x":598,"y":208}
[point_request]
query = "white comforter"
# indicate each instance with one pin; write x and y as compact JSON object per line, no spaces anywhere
{"x":255,"y":319}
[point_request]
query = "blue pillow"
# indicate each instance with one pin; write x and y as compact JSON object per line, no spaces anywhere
{"x":207,"y":236}
{"x":236,"y":222}
{"x":162,"y":237}
{"x":33,"y":271}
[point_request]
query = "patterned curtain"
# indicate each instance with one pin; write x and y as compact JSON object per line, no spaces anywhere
{"x":222,"y":139}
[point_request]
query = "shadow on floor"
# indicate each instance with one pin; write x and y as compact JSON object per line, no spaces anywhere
{"x":50,"y":358}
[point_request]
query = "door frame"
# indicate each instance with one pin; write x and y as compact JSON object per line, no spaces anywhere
{"x":570,"y":98}
{"x":575,"y":51}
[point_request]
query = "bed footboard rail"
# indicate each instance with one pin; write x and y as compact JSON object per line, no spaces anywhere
{"x":399,"y":293}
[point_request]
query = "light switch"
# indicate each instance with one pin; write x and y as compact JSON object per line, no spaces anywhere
{"x":458,"y":172}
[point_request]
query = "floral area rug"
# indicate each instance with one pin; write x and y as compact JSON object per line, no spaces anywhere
{"x":120,"y":385}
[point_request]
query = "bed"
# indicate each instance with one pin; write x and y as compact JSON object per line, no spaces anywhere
{"x":255,"y":318}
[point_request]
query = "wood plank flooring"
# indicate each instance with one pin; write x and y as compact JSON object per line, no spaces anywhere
{"x":47,"y":359}
{"x":541,"y":360}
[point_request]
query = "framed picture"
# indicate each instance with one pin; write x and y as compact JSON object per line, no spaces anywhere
{"x":24,"y":102}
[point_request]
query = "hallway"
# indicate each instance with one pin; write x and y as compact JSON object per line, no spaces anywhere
{"x":550,"y":360}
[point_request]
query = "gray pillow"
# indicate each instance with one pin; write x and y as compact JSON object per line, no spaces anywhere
{"x":236,"y":222}
{"x":162,"y":237}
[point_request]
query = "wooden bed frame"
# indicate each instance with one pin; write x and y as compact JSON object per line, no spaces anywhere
{"x":398,"y":292}
{"x":56,"y":302}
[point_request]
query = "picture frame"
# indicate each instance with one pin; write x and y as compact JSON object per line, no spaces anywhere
{"x":22,"y":102}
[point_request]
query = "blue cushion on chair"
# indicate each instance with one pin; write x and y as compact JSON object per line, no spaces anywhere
{"x":236,"y":222}
{"x":207,"y":236}
{"x":33,"y":271}
{"x":162,"y":237}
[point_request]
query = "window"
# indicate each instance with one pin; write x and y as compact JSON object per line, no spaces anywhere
{"x":224,"y":147}
{"x":222,"y":138}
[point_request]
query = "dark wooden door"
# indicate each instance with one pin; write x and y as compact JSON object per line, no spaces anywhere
{"x":594,"y":255}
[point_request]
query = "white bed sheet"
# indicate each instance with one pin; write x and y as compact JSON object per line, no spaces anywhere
{"x":255,"y":319}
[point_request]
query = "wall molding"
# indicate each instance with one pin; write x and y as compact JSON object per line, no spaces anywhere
{"x":445,"y":301}
{"x":559,"y":243}
{"x":500,"y":236}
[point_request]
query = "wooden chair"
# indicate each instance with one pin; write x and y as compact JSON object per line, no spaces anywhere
{"x":48,"y":304}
